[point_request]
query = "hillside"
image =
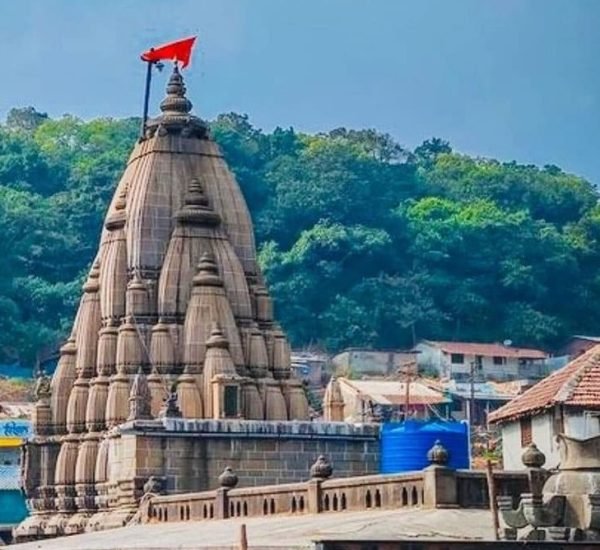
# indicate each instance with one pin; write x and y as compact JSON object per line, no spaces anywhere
{"x":363,"y":242}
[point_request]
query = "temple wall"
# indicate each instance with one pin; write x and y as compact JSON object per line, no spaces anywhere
{"x":190,"y":454}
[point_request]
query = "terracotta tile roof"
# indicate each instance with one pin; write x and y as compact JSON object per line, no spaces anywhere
{"x":577,"y":384}
{"x":488,"y":350}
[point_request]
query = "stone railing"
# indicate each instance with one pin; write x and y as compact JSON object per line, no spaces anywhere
{"x":437,"y":486}
{"x":378,"y":491}
{"x":472,"y":490}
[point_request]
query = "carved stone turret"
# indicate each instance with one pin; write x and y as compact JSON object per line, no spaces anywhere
{"x":222,"y":384}
{"x":139,"y":398}
{"x":333,"y":402}
{"x":42,"y":415}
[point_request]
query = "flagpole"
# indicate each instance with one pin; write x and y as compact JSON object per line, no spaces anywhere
{"x":146,"y":97}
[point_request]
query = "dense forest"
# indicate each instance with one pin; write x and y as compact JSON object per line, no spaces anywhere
{"x":363,"y":242}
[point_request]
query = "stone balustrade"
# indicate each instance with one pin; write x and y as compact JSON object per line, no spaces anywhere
{"x":437,"y":486}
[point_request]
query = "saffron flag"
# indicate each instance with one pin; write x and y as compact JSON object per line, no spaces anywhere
{"x":180,"y":51}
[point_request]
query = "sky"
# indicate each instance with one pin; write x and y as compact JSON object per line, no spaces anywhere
{"x":509,"y":79}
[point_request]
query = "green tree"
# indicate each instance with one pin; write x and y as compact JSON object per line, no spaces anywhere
{"x":363,"y":242}
{"x":26,"y":119}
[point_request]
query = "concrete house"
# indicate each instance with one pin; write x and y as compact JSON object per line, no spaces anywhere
{"x":455,"y":360}
{"x":487,"y":397}
{"x":566,"y":402}
{"x":309,"y":367}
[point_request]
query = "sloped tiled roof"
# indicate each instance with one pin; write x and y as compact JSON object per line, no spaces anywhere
{"x":392,"y":392}
{"x":488,"y":350}
{"x":577,"y":384}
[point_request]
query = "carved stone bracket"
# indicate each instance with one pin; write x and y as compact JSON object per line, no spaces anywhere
{"x":542,"y":514}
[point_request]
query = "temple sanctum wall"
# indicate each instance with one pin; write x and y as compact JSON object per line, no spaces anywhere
{"x":189,"y":455}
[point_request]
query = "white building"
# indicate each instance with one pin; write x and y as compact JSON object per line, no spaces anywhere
{"x":455,"y":360}
{"x":567,"y":401}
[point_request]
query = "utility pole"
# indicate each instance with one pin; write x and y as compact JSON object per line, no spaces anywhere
{"x":471,"y":408}
{"x":408,"y":374}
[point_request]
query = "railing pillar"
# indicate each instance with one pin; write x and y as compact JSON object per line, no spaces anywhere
{"x":227,"y":480}
{"x":313,"y":501}
{"x":319,"y":471}
{"x":440,"y":489}
{"x":222,"y":503}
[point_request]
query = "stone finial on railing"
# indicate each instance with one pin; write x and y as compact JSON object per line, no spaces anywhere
{"x":321,"y":469}
{"x":438,"y":455}
{"x":532,"y":457}
{"x":228,"y":479}
{"x":440,"y":483}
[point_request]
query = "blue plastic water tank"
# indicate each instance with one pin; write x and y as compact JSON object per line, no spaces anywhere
{"x":404,"y":445}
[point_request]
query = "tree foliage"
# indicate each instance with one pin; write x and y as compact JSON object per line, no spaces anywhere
{"x":363,"y":242}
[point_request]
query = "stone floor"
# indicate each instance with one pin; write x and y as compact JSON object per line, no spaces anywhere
{"x":285,"y":532}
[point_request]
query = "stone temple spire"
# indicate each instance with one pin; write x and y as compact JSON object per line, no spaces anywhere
{"x":175,"y":102}
{"x":175,"y":114}
{"x":333,"y":401}
{"x":176,"y":256}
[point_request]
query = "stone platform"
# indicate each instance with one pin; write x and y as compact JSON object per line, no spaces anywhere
{"x":286,"y":532}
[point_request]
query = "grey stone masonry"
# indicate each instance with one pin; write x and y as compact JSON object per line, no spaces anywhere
{"x":190,"y":454}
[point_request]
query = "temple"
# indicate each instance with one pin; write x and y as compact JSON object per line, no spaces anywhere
{"x":175,"y":325}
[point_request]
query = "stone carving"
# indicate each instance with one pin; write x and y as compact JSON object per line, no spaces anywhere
{"x":562,"y":505}
{"x":170,"y":408}
{"x":42,"y":388}
{"x":139,"y":398}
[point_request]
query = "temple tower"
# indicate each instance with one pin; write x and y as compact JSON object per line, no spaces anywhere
{"x":174,"y":304}
{"x":333,"y":402}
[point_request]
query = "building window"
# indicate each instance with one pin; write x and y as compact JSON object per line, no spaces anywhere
{"x":457,"y":358}
{"x":479,"y":362}
{"x":231,"y":401}
{"x":559,"y":422}
{"x":526,"y":434}
{"x":499,"y":360}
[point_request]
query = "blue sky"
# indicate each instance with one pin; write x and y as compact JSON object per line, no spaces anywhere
{"x":511,"y":79}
